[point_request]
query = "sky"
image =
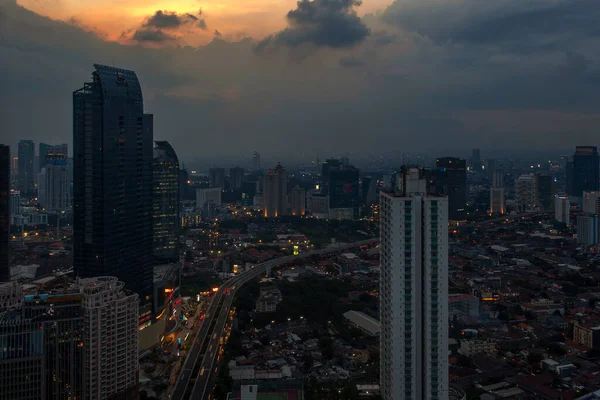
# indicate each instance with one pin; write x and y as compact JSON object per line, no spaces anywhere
{"x":320,"y":77}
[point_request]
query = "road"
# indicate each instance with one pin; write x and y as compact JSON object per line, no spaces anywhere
{"x":197,"y":375}
{"x":493,"y":220}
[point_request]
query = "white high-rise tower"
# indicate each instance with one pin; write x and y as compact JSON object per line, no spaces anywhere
{"x":414,"y":291}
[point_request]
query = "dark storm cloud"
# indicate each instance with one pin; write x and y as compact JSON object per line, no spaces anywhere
{"x":323,"y":23}
{"x":168,"y":19}
{"x":423,"y":84}
{"x":153,"y":35}
{"x":539,"y":23}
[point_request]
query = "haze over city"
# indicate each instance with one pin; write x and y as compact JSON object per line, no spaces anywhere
{"x":316,"y":77}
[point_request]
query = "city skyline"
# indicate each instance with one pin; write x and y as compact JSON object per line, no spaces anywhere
{"x":383,"y":78}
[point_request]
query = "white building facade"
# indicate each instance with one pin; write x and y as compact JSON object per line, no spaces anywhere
{"x":111,"y":361}
{"x":526,"y":193}
{"x":414,"y":292}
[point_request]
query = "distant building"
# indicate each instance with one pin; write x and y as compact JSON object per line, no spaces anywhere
{"x":318,"y":205}
{"x":5,"y":207}
{"x":526,"y":193}
{"x":46,"y":149}
{"x":207,"y":195}
{"x":216,"y":177}
{"x":344,"y":190}
{"x":363,"y":322}
{"x":413,"y":291}
{"x":184,"y":186}
{"x":54,"y":185}
{"x":472,"y":347}
{"x":451,"y":181}
{"x":587,"y":335}
{"x":236,"y":178}
{"x":113,"y":179}
{"x":591,"y":202}
{"x":498,"y":178}
{"x":275,"y":192}
{"x":298,"y":201}
{"x":497,"y":201}
{"x":26,"y":174}
{"x":165,"y":214}
{"x":562,"y":208}
{"x":476,"y":163}
{"x":587,"y":230}
{"x":586,"y":170}
{"x":463,"y":306}
{"x":327,"y":166}
{"x":256,"y":161}
{"x":546,"y":191}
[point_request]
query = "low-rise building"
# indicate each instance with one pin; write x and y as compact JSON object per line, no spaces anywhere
{"x":362,"y":321}
{"x":477,"y":346}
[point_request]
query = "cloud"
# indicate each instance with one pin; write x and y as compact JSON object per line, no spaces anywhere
{"x":322,"y":23}
{"x":152,"y":35}
{"x":202,"y":24}
{"x":217,"y":33}
{"x":168,"y":19}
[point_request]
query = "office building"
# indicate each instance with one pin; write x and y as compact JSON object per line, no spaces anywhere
{"x":275,"y":192}
{"x":585,"y":171}
{"x":344,"y":193}
{"x":591,"y":202}
{"x":111,"y":333}
{"x":236,"y":178}
{"x":318,"y":204}
{"x":5,"y":206}
{"x":546,"y":191}
{"x":54,"y":184}
{"x":45,"y":149}
{"x":497,"y":205}
{"x":327,"y":166}
{"x":25,"y":176}
{"x":562,"y":207}
{"x":208,"y":195}
{"x":216,"y":177}
{"x":165,"y":214}
{"x":498,"y":178}
{"x":15,"y":202}
{"x":113,"y":179}
{"x":587,"y":230}
{"x":526,"y":187}
{"x":451,"y":181}
{"x":256,"y":161}
{"x":413,"y":291}
{"x":298,"y":201}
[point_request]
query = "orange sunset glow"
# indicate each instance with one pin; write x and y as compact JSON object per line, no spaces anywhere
{"x":113,"y":20}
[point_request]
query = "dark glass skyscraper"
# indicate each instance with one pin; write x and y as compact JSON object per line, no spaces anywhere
{"x":113,"y":178}
{"x":451,"y":181}
{"x":4,"y":213}
{"x":166,"y":203}
{"x":25,"y":174}
{"x":344,"y":189}
{"x":586,"y":170}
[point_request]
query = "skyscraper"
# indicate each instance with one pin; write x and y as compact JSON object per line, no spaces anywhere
{"x":451,"y":178}
{"x":586,"y":170}
{"x":414,"y":291}
{"x":476,"y":160}
{"x":275,"y":192}
{"x":25,"y":176}
{"x":546,"y":191}
{"x":327,"y":166}
{"x":216,"y":177}
{"x":497,"y":192}
{"x":166,"y":203}
{"x":4,"y":213}
{"x":45,"y":149}
{"x":562,"y":209}
{"x":54,"y":184}
{"x":256,"y":161}
{"x":236,"y":178}
{"x":113,"y":181}
{"x":527,"y":199}
{"x":298,"y":201}
{"x":344,"y":192}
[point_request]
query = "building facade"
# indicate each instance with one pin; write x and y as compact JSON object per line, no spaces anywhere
{"x":451,"y":181}
{"x":110,"y":334}
{"x":165,"y":214}
{"x":413,"y":291}
{"x":298,"y":201}
{"x":25,"y":175}
{"x":256,"y":161}
{"x":562,"y":208}
{"x":344,"y":192}
{"x":591,"y":202}
{"x":208,"y":195}
{"x":113,"y":178}
{"x":585,"y":171}
{"x":497,"y":201}
{"x":5,"y":206}
{"x":54,"y":185}
{"x":587,"y":229}
{"x":527,"y":199}
{"x":216,"y":177}
{"x":236,"y":178}
{"x":275,"y":192}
